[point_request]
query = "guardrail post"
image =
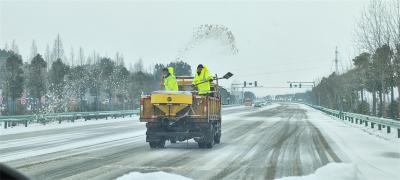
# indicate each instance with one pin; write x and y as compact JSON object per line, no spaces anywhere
{"x":398,"y":133}
{"x":379,"y":126}
{"x":356,"y":121}
{"x":372,"y":125}
{"x":366,"y":123}
{"x":388,"y":129}
{"x":26,"y":123}
{"x":5,"y":124}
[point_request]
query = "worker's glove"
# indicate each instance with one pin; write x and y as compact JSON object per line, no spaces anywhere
{"x":211,"y":80}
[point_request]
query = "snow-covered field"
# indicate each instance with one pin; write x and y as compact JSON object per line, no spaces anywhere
{"x":288,"y":141}
{"x":376,"y":154}
{"x":153,"y":176}
{"x":332,"y":171}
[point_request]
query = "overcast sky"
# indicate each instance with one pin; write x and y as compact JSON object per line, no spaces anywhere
{"x":278,"y":41}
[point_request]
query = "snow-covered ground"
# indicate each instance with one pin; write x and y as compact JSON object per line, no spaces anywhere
{"x":153,"y":176}
{"x":376,"y":154}
{"x":278,"y":140}
{"x":81,"y":122}
{"x":55,"y":125}
{"x":332,"y":171}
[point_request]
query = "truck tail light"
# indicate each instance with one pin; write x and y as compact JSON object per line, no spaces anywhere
{"x":141,"y":101}
{"x":151,"y":125}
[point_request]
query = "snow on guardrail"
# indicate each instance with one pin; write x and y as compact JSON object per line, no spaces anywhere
{"x":72,"y":116}
{"x":362,"y":119}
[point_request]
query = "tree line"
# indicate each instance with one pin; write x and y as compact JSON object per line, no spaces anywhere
{"x":376,"y":70}
{"x":99,"y":83}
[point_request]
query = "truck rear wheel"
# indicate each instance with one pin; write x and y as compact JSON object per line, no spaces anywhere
{"x":217,"y":138}
{"x":153,"y":144}
{"x":157,"y":144}
{"x":161,"y":144}
{"x":210,"y":139}
{"x":201,"y":144}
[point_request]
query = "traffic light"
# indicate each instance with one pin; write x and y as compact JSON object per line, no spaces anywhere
{"x":244,"y":85}
{"x":291,"y":85}
{"x":255,"y":83}
{"x":299,"y":85}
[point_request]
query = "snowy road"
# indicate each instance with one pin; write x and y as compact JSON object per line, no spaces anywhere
{"x":266,"y":143}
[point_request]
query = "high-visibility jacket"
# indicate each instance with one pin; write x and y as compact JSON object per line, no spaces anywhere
{"x":170,"y":83}
{"x":205,"y":77}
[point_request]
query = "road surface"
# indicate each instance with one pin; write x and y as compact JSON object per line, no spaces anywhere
{"x":257,"y":143}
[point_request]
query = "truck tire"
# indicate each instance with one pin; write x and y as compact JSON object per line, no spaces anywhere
{"x":201,"y":145}
{"x":153,"y":144}
{"x":210,"y":139}
{"x":209,"y":144}
{"x":157,"y":144}
{"x":161,"y":143}
{"x":217,"y":138}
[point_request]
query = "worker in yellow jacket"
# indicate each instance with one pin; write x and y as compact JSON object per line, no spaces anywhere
{"x":202,"y":79}
{"x":170,"y":83}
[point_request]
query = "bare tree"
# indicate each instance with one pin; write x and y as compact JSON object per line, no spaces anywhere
{"x":119,"y":59}
{"x":374,"y":33}
{"x":47,"y":57}
{"x":58,"y":51}
{"x":34,"y":50}
{"x":6,"y":46}
{"x":393,"y":21}
{"x":72,"y":56}
{"x":371,"y":29}
{"x":14,"y":46}
{"x":81,"y":56}
{"x":138,"y":66}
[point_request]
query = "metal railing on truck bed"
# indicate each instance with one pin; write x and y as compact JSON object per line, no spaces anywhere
{"x":362,"y":119}
{"x":71,"y":116}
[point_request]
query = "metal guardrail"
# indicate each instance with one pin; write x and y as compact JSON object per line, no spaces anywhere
{"x":362,"y":119}
{"x":72,"y":116}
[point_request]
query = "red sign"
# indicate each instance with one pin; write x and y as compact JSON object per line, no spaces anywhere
{"x":23,"y":100}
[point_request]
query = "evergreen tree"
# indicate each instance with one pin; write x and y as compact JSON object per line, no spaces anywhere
{"x":14,"y":80}
{"x":37,"y":82}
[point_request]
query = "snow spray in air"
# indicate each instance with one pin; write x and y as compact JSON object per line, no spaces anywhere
{"x":215,"y":32}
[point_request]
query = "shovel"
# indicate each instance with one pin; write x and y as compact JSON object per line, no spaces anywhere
{"x":226,"y":76}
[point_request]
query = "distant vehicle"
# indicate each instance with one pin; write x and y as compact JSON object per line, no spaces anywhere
{"x":248,"y":102}
{"x":258,"y":104}
{"x":182,"y":115}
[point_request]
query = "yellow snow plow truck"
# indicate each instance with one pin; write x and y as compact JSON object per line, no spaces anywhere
{"x":183,"y":115}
